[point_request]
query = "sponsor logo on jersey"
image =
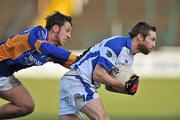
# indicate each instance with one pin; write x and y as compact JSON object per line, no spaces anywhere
{"x":108,"y":53}
{"x":35,"y":60}
{"x":42,"y":34}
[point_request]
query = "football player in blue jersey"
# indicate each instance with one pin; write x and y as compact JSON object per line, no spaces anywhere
{"x":78,"y":86}
{"x":32,"y":47}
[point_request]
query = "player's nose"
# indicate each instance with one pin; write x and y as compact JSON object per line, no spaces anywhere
{"x":153,"y":45}
{"x":69,"y":36}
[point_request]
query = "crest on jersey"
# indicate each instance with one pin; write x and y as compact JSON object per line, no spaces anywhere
{"x":108,"y":53}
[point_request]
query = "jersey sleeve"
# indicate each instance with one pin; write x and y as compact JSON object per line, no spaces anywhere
{"x":38,"y":40}
{"x":109,"y":53}
{"x":58,"y":54}
{"x":37,"y":36}
{"x":107,"y":58}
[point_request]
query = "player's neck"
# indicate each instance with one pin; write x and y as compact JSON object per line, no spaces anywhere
{"x":134,"y":48}
{"x":51,"y":37}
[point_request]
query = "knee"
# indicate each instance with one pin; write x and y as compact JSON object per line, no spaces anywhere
{"x":27,"y":108}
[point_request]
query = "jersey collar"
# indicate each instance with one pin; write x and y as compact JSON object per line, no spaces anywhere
{"x":46,"y":33}
{"x":129,"y":42}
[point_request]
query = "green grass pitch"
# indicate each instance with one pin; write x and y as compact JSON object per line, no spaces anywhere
{"x":156,"y":99}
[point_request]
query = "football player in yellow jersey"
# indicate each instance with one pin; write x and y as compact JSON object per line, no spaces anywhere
{"x":31,"y":47}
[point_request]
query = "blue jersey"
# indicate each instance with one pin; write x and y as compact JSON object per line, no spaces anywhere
{"x":110,"y":53}
{"x":30,"y":48}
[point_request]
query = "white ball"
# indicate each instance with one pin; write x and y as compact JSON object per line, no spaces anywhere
{"x":123,"y":73}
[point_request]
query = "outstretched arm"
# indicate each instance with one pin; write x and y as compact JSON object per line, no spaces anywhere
{"x":57,"y":54}
{"x":38,"y":40}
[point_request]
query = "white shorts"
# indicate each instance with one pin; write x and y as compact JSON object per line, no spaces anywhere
{"x":9,"y":82}
{"x":74,"y":95}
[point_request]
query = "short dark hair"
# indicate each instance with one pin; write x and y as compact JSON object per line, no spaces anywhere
{"x":143,"y":28}
{"x":57,"y":18}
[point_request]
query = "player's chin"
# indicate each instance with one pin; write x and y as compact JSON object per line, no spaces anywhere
{"x":62,"y":43}
{"x":146,"y":52}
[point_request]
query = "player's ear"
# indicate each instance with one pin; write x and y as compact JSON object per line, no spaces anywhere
{"x":55,"y":28}
{"x":140,"y":37}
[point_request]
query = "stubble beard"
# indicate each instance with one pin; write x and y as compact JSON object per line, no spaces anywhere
{"x":143,"y":49}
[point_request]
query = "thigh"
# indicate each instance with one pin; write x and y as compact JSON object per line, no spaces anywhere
{"x":18,"y":95}
{"x":68,"y":111}
{"x":94,"y":108}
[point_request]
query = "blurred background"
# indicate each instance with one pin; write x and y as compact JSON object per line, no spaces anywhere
{"x":158,"y":96}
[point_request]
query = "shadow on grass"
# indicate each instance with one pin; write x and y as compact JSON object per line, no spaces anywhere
{"x":145,"y":118}
{"x":55,"y":117}
{"x":39,"y":117}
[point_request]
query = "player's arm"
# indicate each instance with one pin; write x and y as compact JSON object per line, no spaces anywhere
{"x":108,"y":56}
{"x":58,"y":54}
{"x":38,"y":40}
{"x":100,"y":75}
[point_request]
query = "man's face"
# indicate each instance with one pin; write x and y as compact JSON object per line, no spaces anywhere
{"x":64,"y":33}
{"x":148,"y":44}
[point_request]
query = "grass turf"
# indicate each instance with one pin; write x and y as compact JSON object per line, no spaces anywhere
{"x":156,"y":99}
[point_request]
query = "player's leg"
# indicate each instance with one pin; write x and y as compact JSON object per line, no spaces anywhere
{"x":20,"y":101}
{"x":68,"y":89}
{"x":68,"y":111}
{"x":75,"y":97}
{"x":95,"y":110}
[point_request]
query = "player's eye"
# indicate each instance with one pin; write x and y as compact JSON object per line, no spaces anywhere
{"x":153,"y":39}
{"x":67,"y":30}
